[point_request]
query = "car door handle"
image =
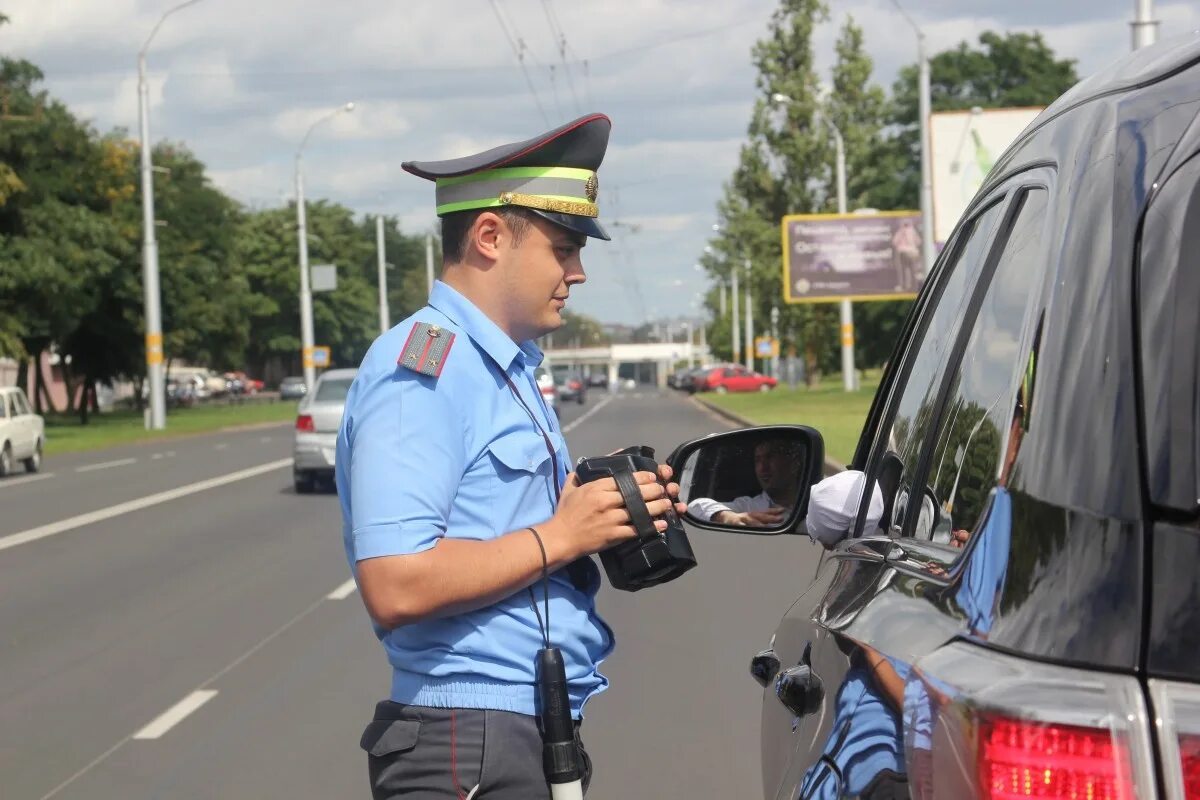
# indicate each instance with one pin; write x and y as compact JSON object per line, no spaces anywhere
{"x":764,"y":666}
{"x":865,"y":549}
{"x":799,"y":688}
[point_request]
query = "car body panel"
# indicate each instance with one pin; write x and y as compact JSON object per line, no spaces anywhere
{"x":1061,"y":567}
{"x":20,"y":428}
{"x":314,"y":451}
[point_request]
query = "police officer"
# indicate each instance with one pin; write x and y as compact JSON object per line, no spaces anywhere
{"x":454,"y":487}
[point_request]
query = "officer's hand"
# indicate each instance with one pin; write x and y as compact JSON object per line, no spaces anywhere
{"x":592,"y":517}
{"x":665,"y":473}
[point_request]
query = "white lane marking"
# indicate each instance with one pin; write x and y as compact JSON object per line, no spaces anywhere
{"x":343,"y":591}
{"x":120,"y":462}
{"x":573,"y":425}
{"x":33,"y":534}
{"x":220,"y":446}
{"x":199,"y":689}
{"x":175,"y":714}
{"x":7,"y":482}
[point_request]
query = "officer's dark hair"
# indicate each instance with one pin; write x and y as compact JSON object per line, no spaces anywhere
{"x":456,"y":226}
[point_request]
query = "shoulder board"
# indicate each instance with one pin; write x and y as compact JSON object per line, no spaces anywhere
{"x":426,"y":349}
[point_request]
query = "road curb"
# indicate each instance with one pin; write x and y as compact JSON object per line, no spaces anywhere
{"x":831,"y":466}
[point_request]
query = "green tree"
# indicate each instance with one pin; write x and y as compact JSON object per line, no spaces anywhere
{"x":1006,"y":70}
{"x":782,"y":169}
{"x":58,"y":236}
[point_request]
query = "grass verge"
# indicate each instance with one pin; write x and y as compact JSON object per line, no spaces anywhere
{"x":64,"y":434}
{"x":838,"y":415}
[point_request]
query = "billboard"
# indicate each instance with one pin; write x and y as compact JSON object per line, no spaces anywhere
{"x":963,"y":146}
{"x":828,"y":257}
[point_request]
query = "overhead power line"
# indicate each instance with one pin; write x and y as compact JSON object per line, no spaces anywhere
{"x":519,"y":52}
{"x":560,"y":41}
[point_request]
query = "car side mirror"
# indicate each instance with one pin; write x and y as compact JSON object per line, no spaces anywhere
{"x":754,"y":480}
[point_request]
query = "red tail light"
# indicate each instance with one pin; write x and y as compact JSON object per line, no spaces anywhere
{"x":1025,"y":758}
{"x":1177,"y":707}
{"x":304,"y":423}
{"x":1189,"y":758}
{"x":547,"y":390}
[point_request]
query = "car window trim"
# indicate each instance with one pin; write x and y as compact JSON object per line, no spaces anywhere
{"x":1016,"y":197}
{"x":912,"y":352}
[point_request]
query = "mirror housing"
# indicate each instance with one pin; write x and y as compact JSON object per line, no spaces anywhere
{"x":760,"y":476}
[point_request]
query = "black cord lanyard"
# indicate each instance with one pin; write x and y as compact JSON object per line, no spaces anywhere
{"x":545,"y":629}
{"x":542,"y":431}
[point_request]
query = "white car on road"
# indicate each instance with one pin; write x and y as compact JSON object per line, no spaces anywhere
{"x":317,"y":419}
{"x":22,"y":432}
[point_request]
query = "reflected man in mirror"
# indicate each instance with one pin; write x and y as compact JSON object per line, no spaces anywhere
{"x":777,"y":465}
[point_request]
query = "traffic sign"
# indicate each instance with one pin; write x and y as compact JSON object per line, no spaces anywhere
{"x":766,"y":347}
{"x":320,"y":357}
{"x":324,"y":277}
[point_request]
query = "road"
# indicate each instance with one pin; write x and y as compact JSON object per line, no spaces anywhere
{"x":176,"y":623}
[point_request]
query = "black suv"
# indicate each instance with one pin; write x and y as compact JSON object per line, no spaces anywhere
{"x":1015,"y":610}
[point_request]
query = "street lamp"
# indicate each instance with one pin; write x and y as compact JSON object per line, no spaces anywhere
{"x":926,"y":157}
{"x":734,"y":329}
{"x":306,"y":320}
{"x":849,"y":382}
{"x":151,"y":293}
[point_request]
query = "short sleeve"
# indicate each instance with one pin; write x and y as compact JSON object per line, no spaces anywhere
{"x":404,"y":440}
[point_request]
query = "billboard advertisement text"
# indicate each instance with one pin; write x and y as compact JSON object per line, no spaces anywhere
{"x":829,"y":257}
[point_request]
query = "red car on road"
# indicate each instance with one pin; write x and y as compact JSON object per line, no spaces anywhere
{"x":736,"y":379}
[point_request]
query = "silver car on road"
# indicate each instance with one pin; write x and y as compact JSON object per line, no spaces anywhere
{"x":317,"y":419}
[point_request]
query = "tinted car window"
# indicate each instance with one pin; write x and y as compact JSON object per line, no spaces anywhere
{"x":978,"y":415}
{"x":897,"y":448}
{"x":19,"y":404}
{"x":3,"y":406}
{"x":333,"y":391}
{"x":1168,"y":295}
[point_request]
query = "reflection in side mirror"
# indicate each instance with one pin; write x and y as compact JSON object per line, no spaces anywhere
{"x":754,"y":480}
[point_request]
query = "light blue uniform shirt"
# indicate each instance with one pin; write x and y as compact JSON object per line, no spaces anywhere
{"x":420,"y":458}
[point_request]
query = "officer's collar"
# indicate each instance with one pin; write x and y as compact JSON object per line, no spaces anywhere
{"x":482,"y":330}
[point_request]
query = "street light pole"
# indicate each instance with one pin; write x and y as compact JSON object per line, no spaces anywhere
{"x":733,"y":299}
{"x":306,"y":318}
{"x":849,"y":378}
{"x":385,"y":321}
{"x":429,"y":260}
{"x":923,"y":110}
{"x":749,"y":322}
{"x":151,"y":292}
{"x":1145,"y":27}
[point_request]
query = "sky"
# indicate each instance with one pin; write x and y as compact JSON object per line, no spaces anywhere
{"x":240,"y":81}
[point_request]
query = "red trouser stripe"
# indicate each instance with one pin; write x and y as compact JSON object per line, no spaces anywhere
{"x":454,"y":755}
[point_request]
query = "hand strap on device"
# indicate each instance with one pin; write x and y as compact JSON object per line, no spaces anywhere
{"x":639,"y":515}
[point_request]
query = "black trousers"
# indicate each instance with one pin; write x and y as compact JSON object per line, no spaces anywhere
{"x":421,"y":753}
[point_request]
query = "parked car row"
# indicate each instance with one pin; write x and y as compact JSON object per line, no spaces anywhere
{"x":721,"y":378}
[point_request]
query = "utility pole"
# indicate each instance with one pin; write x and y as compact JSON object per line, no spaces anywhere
{"x":151,"y":292}
{"x":429,"y":260}
{"x":849,"y":376}
{"x":733,"y":299}
{"x":749,"y":322}
{"x":722,"y":298}
{"x":1145,"y":27}
{"x":306,"y":314}
{"x":923,"y":101}
{"x":775,"y":337}
{"x":385,"y":321}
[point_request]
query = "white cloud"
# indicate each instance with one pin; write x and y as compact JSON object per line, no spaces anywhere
{"x":240,"y":83}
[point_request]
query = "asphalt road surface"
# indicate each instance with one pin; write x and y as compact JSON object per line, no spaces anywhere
{"x":175,"y":622}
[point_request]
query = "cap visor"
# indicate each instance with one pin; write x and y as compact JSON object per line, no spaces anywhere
{"x":585,"y":225}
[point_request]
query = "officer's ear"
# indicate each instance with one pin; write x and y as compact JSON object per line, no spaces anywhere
{"x":486,"y":235}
